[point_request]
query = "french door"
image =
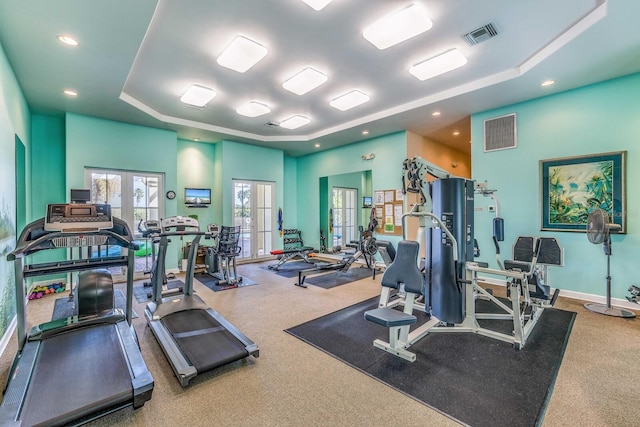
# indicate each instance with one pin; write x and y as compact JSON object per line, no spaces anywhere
{"x":344,"y":211}
{"x":253,"y":203}
{"x":134,"y":197}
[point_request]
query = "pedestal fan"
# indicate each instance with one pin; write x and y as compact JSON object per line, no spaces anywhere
{"x":599,"y":232}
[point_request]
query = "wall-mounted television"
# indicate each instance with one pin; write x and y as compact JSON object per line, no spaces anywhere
{"x":80,"y":195}
{"x":197,"y":196}
{"x":367,"y":202}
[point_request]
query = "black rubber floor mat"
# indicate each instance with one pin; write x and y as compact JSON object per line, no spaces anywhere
{"x":473,"y":379}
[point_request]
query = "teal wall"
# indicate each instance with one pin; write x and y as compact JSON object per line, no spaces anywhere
{"x":196,"y":169}
{"x":47,"y":174}
{"x":290,"y":188}
{"x":48,"y":166}
{"x":15,"y":120}
{"x":93,"y":142}
{"x":595,"y":119}
{"x":386,"y":170}
{"x":13,"y":102}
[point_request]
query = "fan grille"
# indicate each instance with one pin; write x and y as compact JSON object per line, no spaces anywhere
{"x":597,"y":226}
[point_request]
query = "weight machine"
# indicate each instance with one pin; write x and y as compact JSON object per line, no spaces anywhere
{"x":365,"y":247}
{"x":449,"y":284}
{"x":293,"y":248}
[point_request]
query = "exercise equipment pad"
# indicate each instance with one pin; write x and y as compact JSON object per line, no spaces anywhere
{"x":213,"y":283}
{"x":289,"y":269}
{"x":141,"y":293}
{"x":63,"y":307}
{"x":337,"y":278}
{"x":472,"y":379}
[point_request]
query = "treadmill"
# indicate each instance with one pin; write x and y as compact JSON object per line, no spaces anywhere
{"x":75,"y":369}
{"x":194,"y":337}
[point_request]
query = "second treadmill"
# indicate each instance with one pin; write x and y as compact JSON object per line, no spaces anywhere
{"x":194,"y":337}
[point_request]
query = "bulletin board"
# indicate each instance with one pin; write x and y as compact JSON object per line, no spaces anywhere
{"x":389,"y":209}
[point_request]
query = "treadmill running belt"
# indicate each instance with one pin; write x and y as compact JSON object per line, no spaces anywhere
{"x":203,"y":341}
{"x":77,"y":373}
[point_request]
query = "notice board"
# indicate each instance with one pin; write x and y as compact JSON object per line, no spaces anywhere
{"x":389,"y":209}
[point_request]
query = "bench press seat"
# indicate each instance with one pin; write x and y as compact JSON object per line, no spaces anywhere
{"x":389,"y":317}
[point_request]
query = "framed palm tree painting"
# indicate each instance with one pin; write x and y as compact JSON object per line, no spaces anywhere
{"x":572,"y":187}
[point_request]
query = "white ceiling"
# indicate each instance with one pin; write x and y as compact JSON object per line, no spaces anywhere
{"x":136,"y":58}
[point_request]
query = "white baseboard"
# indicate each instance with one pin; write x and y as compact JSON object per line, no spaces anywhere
{"x":618,"y":302}
{"x":8,"y":335}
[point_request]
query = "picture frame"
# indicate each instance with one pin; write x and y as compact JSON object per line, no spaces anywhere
{"x":572,"y":187}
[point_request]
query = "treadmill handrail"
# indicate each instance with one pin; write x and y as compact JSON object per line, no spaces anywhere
{"x":184,"y":233}
{"x":27,"y":248}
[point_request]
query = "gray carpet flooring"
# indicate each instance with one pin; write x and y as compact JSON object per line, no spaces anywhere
{"x":295,"y":384}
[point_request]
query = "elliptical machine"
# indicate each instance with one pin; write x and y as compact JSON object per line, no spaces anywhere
{"x":151,"y":230}
{"x":221,"y":257}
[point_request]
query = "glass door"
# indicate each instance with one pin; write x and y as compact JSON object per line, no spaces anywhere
{"x":253,"y":203}
{"x":134,"y":197}
{"x":344,"y":211}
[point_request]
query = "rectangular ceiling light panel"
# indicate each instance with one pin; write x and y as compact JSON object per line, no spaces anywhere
{"x":294,"y":122}
{"x":198,"y":96}
{"x":317,"y":4}
{"x":398,"y":27}
{"x":253,"y":109}
{"x":305,"y":81}
{"x":438,"y":65}
{"x":349,"y":100}
{"x":242,"y":54}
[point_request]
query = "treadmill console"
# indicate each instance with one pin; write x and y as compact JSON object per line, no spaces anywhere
{"x":75,"y":218}
{"x":213,"y":230}
{"x":179,"y":223}
{"x":152,"y":226}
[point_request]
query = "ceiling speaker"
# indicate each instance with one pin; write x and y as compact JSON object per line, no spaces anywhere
{"x":500,"y":133}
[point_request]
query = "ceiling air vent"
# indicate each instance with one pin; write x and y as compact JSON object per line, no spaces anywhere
{"x":272,"y":124}
{"x":480,"y":34}
{"x":500,"y":133}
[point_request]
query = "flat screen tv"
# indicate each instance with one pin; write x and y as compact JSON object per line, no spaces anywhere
{"x":197,"y":196}
{"x":80,"y":195}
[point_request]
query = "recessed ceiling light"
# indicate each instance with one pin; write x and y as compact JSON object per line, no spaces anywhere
{"x":349,"y":100}
{"x":70,"y":92}
{"x":398,"y":27}
{"x":438,"y":65}
{"x":547,"y":83}
{"x":198,"y":96}
{"x":435,"y":113}
{"x":196,"y":139}
{"x":305,"y":81}
{"x":317,"y":4}
{"x":317,"y":145}
{"x":253,"y":109}
{"x":456,"y":133}
{"x":68,"y":40}
{"x":242,"y":54}
{"x":365,"y":132}
{"x":294,"y":122}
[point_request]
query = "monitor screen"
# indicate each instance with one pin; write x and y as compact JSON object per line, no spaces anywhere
{"x":80,"y":195}
{"x":197,"y":196}
{"x":366,"y":202}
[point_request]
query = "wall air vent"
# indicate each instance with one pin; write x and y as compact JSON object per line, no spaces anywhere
{"x":480,"y":34}
{"x":500,"y":133}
